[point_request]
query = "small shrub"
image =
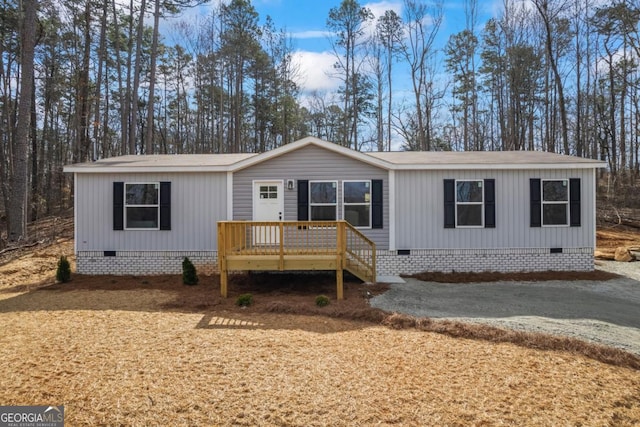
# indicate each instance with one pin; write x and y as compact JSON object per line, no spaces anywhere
{"x":244,"y":300}
{"x":322,"y":301}
{"x":63,"y":273}
{"x":189,"y":275}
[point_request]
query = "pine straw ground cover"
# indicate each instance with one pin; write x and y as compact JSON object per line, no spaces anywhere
{"x":150,"y":351}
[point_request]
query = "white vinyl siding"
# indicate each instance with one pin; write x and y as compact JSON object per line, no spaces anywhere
{"x":198,"y":202}
{"x":311,"y":163}
{"x":419,"y":219}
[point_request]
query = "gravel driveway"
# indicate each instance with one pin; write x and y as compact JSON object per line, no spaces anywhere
{"x":602,"y":312}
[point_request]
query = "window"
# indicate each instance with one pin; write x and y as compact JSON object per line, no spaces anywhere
{"x":356,"y":203}
{"x":268,"y":192}
{"x":142,"y":206}
{"x":323,"y":198}
{"x":555,"y":202}
{"x":469,"y":203}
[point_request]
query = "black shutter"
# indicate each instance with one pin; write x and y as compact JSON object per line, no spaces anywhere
{"x":165,"y":206}
{"x":376,"y":203}
{"x":118,"y":205}
{"x":303,"y":200}
{"x":490,"y":203}
{"x":535,"y":198}
{"x":574,"y":202}
{"x":449,"y":203}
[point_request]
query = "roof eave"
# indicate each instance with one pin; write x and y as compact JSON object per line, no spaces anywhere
{"x":363,"y":157}
{"x":143,"y":169}
{"x":497,"y":166}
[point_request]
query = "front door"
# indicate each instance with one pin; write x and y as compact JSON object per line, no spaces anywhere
{"x":268,"y":205}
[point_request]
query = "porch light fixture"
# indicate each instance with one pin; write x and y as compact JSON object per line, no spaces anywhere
{"x":291,"y":184}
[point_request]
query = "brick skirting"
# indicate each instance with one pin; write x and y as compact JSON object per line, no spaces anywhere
{"x":388,"y":262}
{"x":143,"y":262}
{"x":478,"y":260}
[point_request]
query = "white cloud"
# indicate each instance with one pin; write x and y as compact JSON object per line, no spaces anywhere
{"x":311,"y":34}
{"x":316,"y":68}
{"x":379,"y":8}
{"x":314,"y":71}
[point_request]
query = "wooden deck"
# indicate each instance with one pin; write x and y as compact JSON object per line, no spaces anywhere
{"x":295,"y":246}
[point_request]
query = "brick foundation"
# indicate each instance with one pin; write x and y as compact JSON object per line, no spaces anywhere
{"x":143,"y":262}
{"x":478,"y":260}
{"x":388,"y":262}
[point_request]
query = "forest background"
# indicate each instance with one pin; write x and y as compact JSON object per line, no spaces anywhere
{"x":91,"y":79}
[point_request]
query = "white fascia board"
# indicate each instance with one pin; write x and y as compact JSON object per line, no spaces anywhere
{"x":497,"y":166}
{"x":142,"y":169}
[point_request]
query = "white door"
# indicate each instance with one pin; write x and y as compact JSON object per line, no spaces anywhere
{"x":268,"y":205}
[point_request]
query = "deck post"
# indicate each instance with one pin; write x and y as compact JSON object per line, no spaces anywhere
{"x":340,"y":249}
{"x":222,"y":264}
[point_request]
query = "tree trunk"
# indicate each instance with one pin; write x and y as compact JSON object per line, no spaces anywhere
{"x":82,"y":151}
{"x":34,"y":200}
{"x":133,"y":117}
{"x":101,"y":61}
{"x":17,"y":213}
{"x":148,"y":138}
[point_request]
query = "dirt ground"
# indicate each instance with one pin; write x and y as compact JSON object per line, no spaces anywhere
{"x":611,"y":238}
{"x":126,"y":350}
{"x":151,"y":351}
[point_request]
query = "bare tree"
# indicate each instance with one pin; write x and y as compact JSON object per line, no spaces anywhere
{"x":17,"y":213}
{"x":422,"y":24}
{"x":347,"y":22}
{"x":549,"y":15}
{"x":390,"y":32}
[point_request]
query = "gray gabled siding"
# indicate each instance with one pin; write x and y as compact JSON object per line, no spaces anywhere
{"x":420,"y":213}
{"x":198,"y":201}
{"x":309,"y":163}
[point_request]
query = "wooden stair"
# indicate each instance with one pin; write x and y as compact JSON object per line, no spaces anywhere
{"x":360,"y":255}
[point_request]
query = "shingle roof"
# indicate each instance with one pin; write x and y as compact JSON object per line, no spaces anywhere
{"x":401,"y":160}
{"x":167,"y":162}
{"x":476,"y":157}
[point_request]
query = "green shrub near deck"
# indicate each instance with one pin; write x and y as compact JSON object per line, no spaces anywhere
{"x":189,"y":275}
{"x":322,"y":300}
{"x":244,"y":300}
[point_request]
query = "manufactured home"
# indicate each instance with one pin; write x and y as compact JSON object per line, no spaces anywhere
{"x":416,"y":211}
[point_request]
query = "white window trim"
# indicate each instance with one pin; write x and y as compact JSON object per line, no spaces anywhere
{"x":455,"y":189}
{"x":357,"y":204}
{"x":157,"y":206}
{"x":323,"y":204}
{"x":542,"y":203}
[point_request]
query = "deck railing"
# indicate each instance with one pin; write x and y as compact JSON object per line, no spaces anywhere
{"x":294,"y":245}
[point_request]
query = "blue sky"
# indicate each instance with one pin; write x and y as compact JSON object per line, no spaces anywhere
{"x":305,"y":22}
